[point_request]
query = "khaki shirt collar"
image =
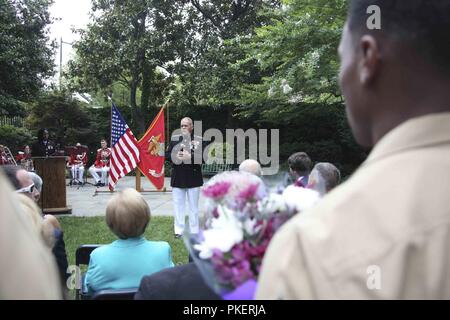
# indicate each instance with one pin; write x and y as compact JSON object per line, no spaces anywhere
{"x":416,"y":133}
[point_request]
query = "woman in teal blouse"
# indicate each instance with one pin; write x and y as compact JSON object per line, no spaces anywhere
{"x":123,"y":263}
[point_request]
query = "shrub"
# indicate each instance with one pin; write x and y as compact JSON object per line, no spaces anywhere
{"x":15,"y":138}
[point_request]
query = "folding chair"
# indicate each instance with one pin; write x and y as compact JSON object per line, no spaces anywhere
{"x":122,"y":294}
{"x":82,"y":257}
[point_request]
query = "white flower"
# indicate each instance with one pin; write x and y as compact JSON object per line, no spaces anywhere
{"x":225,"y":232}
{"x":271,"y":204}
{"x":250,"y":226}
{"x":285,"y":7}
{"x":300,"y":198}
{"x":285,"y":87}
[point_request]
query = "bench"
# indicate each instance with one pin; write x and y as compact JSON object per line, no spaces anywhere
{"x":215,"y":168}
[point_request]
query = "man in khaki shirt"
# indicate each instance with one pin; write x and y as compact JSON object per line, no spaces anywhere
{"x":385,"y":233}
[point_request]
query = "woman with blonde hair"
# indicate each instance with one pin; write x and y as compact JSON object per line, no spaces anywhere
{"x":43,"y":227}
{"x":122,"y":263}
{"x":28,"y":268}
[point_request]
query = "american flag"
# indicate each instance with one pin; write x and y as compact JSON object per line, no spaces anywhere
{"x":124,"y":149}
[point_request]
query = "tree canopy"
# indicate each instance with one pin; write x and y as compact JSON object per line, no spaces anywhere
{"x":131,"y":42}
{"x":239,"y":63}
{"x":26,"y":53}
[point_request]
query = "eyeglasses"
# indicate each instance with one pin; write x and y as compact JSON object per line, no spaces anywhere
{"x":28,"y":189}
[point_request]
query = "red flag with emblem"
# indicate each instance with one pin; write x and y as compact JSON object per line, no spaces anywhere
{"x":151,"y":148}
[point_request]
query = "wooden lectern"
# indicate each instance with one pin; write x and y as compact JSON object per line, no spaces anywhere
{"x":53,"y":173}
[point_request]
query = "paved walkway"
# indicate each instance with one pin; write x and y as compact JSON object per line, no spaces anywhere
{"x":85,"y":202}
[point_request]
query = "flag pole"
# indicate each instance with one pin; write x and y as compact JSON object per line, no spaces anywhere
{"x":110,"y":139}
{"x":168,"y":123}
{"x":137,"y":172}
{"x":138,"y":179}
{"x":110,"y":117}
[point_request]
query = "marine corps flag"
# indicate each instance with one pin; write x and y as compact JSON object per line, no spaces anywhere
{"x":151,"y":148}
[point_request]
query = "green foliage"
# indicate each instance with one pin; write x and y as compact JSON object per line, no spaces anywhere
{"x":231,"y":64}
{"x":321,"y":131}
{"x":167,"y":168}
{"x":130,"y":42}
{"x":15,"y":138}
{"x":26,"y":59}
{"x":67,"y":121}
{"x":219,"y":153}
{"x":209,"y":78}
{"x":298,"y":52}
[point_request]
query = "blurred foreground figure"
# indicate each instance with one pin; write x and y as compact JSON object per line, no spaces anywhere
{"x":28,"y":268}
{"x":384,"y":233}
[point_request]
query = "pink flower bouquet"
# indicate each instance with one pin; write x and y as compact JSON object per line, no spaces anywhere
{"x":241,"y":219}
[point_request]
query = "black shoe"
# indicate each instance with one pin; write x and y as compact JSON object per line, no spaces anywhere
{"x":177,"y":235}
{"x":98,"y":184}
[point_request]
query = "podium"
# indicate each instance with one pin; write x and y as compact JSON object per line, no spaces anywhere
{"x":52,"y":170}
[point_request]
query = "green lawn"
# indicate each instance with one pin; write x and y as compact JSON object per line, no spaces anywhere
{"x":93,"y":230}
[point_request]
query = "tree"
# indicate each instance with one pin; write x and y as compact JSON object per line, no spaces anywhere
{"x":15,"y":138}
{"x":208,"y":76}
{"x":132,"y":42}
{"x":297,"y":53}
{"x":66,"y":119}
{"x":26,"y":58}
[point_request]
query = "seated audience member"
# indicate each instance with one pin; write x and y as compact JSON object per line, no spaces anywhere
{"x":50,"y":231}
{"x":251,"y":166}
{"x":43,"y":227}
{"x":384,"y":234}
{"x":324,"y":177}
{"x":28,"y":268}
{"x":22,"y":181}
{"x":123,"y":263}
{"x":299,"y":168}
{"x":23,"y":158}
{"x":37,"y":180}
{"x":101,"y":165}
{"x":178,"y":283}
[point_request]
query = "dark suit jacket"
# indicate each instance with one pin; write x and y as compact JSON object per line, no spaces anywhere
{"x":59,"y":252}
{"x":41,"y":149}
{"x":178,"y":283}
{"x":186,"y":175}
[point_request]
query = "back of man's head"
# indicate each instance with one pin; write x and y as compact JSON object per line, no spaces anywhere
{"x":251,"y":166}
{"x":300,"y":163}
{"x":37,"y":180}
{"x":327,"y":174}
{"x":396,"y":69}
{"x":421,"y":25}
